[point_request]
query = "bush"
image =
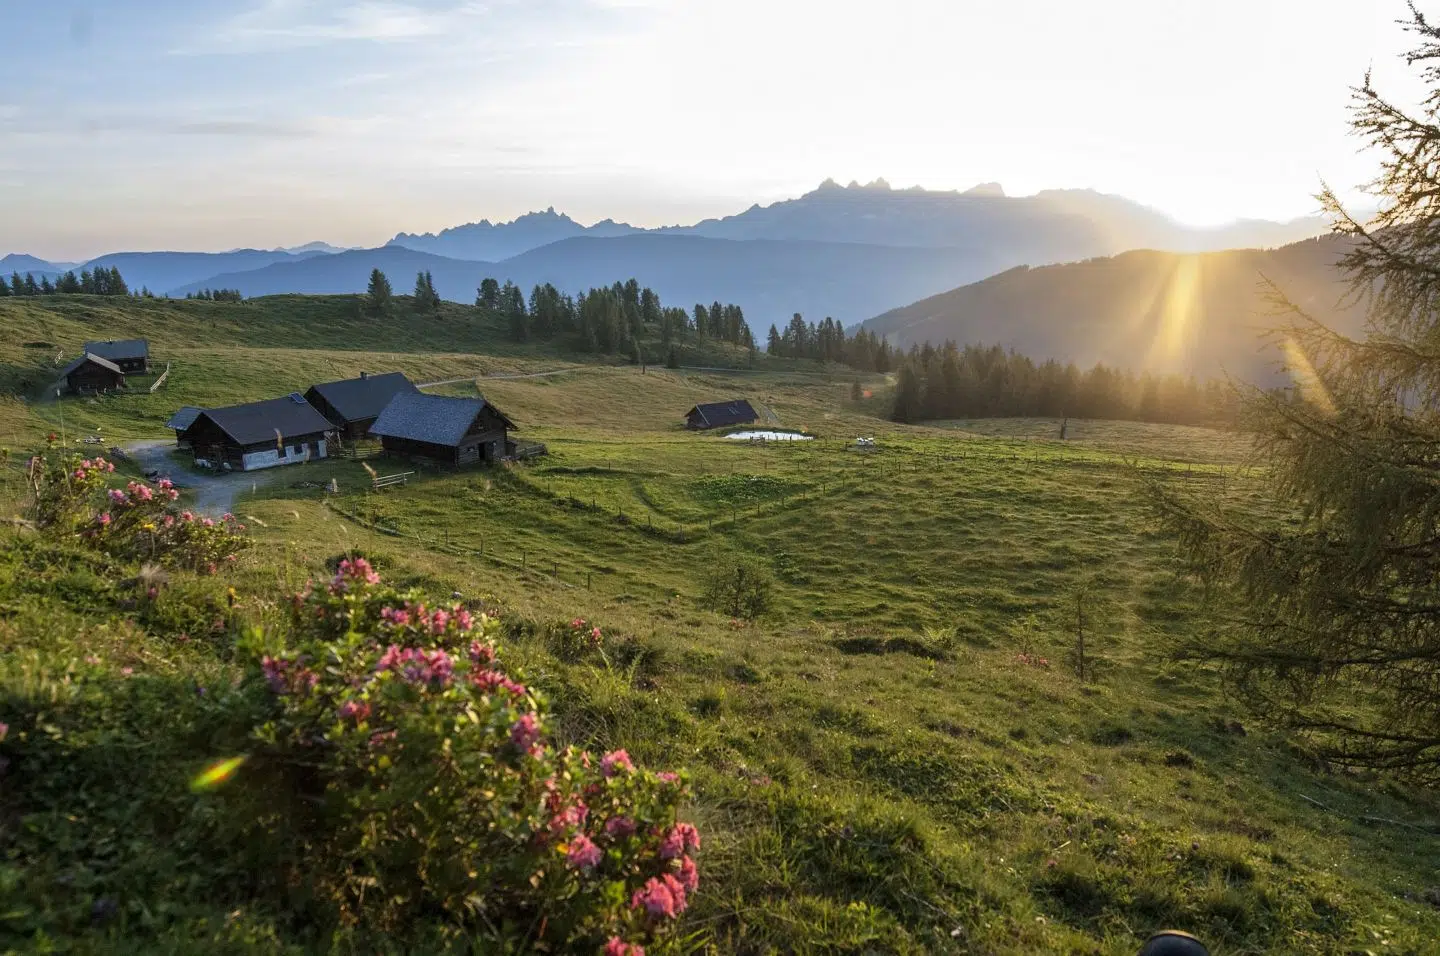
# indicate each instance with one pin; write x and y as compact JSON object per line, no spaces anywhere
{"x":136,"y":523}
{"x":437,"y":794}
{"x":739,"y":588}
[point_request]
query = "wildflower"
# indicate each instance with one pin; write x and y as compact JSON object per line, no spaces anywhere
{"x":353,"y":571}
{"x":568,"y":817}
{"x":619,"y":828}
{"x":615,"y":761}
{"x":356,"y":710}
{"x":681,"y":837}
{"x":525,"y":732}
{"x":616,"y":946}
{"x":488,"y":681}
{"x":689,"y":874}
{"x":661,"y":898}
{"x":583,"y":854}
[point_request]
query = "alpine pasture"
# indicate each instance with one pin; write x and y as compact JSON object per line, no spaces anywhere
{"x":898,"y":755}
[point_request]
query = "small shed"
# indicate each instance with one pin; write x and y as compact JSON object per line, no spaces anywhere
{"x":92,"y":373}
{"x":719,"y":414}
{"x":456,"y":431}
{"x":131,"y":355}
{"x":180,"y":423}
{"x":278,"y":431}
{"x":353,"y":404}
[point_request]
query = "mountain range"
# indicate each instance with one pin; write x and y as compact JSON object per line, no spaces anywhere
{"x":852,"y":252}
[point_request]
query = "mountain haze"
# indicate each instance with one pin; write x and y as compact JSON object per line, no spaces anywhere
{"x":1202,"y":314}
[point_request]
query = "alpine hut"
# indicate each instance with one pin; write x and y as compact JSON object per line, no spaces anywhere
{"x":456,"y":431}
{"x":180,"y":423}
{"x":353,"y":404}
{"x":720,"y":414}
{"x":131,"y":355}
{"x":92,"y":373}
{"x":278,"y":431}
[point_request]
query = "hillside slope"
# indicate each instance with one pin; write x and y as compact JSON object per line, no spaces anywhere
{"x":1200,"y":314}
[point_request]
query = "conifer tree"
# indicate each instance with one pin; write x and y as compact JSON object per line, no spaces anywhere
{"x":378,"y":294}
{"x":1339,"y":629}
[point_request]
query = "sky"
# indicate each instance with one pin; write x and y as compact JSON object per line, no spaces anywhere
{"x":208,"y":125}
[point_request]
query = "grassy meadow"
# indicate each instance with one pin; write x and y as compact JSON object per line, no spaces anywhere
{"x":899,"y":756}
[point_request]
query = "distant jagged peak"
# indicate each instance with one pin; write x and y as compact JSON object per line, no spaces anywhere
{"x":986,"y":191}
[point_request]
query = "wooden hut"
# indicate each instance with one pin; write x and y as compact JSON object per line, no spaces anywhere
{"x":180,"y":423}
{"x":280,"y":431}
{"x":131,"y":355}
{"x":353,"y":404}
{"x":92,"y":373}
{"x":456,"y":431}
{"x":720,"y":414}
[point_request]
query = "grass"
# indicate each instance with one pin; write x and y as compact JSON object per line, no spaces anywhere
{"x":878,"y":769}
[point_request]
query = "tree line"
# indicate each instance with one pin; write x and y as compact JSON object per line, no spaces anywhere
{"x":990,"y":382}
{"x":100,"y":281}
{"x":827,"y":342}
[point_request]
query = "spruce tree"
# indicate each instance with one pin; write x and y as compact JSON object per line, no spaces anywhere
{"x":378,"y":294}
{"x":1338,"y":628}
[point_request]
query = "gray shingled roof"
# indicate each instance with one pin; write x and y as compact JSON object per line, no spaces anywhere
{"x":90,"y":357}
{"x":716,"y":414}
{"x":255,"y":422}
{"x":184,"y":417}
{"x":436,"y":419}
{"x":117,"y":350}
{"x":364,"y":397}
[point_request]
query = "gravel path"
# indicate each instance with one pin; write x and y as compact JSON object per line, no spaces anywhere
{"x":214,"y":493}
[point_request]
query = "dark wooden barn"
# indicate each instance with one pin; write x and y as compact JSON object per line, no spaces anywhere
{"x":279,"y":431}
{"x":353,"y":404}
{"x":720,"y":414}
{"x":456,"y":431}
{"x":92,"y":373}
{"x":131,"y":355}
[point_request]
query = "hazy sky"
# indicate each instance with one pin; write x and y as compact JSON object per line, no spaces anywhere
{"x":204,"y":124}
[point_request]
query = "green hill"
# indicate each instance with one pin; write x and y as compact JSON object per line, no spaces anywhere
{"x":897,"y":756}
{"x":1203,"y":314}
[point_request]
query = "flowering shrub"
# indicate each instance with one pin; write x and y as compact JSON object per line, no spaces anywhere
{"x":136,"y":522}
{"x":574,"y":640}
{"x":439,"y":792}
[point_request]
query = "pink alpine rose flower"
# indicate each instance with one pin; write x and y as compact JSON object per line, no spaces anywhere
{"x":584,"y":854}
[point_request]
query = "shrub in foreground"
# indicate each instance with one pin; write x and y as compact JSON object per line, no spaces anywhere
{"x":134,"y":523}
{"x":438,"y":793}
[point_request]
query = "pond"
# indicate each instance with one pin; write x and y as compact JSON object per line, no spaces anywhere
{"x":769,"y":436}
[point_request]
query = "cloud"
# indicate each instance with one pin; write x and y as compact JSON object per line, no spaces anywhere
{"x":290,"y":24}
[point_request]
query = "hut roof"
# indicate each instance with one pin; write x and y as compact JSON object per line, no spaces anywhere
{"x":716,"y":414}
{"x":184,"y":417}
{"x":436,"y":419}
{"x":272,"y":419}
{"x":118,"y":350}
{"x":92,"y":359}
{"x":363,"y":397}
